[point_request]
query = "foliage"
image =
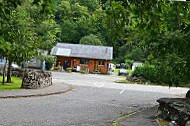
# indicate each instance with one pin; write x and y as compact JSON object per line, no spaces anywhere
{"x":136,"y":54}
{"x":148,"y":72}
{"x":116,"y":70}
{"x":92,"y":5}
{"x":150,"y":59}
{"x":69,"y":69}
{"x":49,"y":60}
{"x":74,"y":21}
{"x":27,"y":27}
{"x":83,"y":71}
{"x":56,"y":68}
{"x":90,"y":40}
{"x":128,"y":63}
{"x":21,"y":36}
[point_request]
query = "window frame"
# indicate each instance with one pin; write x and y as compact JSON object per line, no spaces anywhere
{"x":84,"y":61}
{"x":101,"y":63}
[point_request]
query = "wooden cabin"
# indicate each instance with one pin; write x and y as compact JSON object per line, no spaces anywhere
{"x":78,"y":56}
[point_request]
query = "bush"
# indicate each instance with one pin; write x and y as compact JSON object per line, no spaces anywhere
{"x":69,"y":69}
{"x":128,"y":63}
{"x":148,"y":72}
{"x":83,"y":71}
{"x":174,"y":73}
{"x":50,"y":60}
{"x":56,"y":68}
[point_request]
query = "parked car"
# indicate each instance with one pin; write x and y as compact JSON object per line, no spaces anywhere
{"x":118,"y":66}
{"x":3,"y":61}
{"x":122,"y":72}
{"x":111,"y":67}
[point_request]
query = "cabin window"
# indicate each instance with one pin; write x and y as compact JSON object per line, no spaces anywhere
{"x":101,"y":62}
{"x":84,"y":61}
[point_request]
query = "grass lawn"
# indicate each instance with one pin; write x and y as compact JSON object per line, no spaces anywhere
{"x":116,"y":70}
{"x":16,"y":84}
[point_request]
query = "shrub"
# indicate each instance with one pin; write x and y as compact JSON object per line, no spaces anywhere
{"x":56,"y":68}
{"x":69,"y":69}
{"x":149,"y":72}
{"x":128,"y":63}
{"x":174,"y":73}
{"x":83,"y":71}
{"x":50,"y":60}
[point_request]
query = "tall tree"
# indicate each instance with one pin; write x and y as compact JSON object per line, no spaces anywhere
{"x":21,"y":37}
{"x":90,"y":40}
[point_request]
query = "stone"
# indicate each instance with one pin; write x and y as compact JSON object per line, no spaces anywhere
{"x":188,"y":95}
{"x":34,"y":79}
{"x":174,"y":109}
{"x":136,"y":79}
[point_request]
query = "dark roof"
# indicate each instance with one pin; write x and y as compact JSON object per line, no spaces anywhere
{"x":83,"y":51}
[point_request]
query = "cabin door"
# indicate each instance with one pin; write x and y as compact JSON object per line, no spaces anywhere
{"x":66,"y":64}
{"x":95,"y":65}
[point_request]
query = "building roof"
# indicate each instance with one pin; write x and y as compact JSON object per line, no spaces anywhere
{"x":83,"y":51}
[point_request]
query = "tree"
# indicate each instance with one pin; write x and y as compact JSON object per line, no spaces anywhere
{"x":136,"y":54}
{"x":92,"y":5}
{"x":74,"y":20}
{"x":21,"y":36}
{"x":90,"y":40}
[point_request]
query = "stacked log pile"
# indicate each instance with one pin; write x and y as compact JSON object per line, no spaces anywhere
{"x":34,"y":79}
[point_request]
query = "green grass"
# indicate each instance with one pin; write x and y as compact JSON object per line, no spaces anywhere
{"x":122,"y":81}
{"x":116,"y":70}
{"x":16,"y":84}
{"x":129,"y":71}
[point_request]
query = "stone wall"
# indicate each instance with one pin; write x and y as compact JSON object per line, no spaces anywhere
{"x":34,"y":79}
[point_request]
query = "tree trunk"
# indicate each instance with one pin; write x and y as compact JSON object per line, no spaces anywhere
{"x":24,"y":72}
{"x":4,"y":70}
{"x":9,"y":72}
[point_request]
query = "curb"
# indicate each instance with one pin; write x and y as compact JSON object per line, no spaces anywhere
{"x":37,"y":95}
{"x":116,"y":122}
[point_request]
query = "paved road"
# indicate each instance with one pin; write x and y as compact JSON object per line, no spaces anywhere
{"x":143,"y":118}
{"x":86,"y":105}
{"x":106,"y":81}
